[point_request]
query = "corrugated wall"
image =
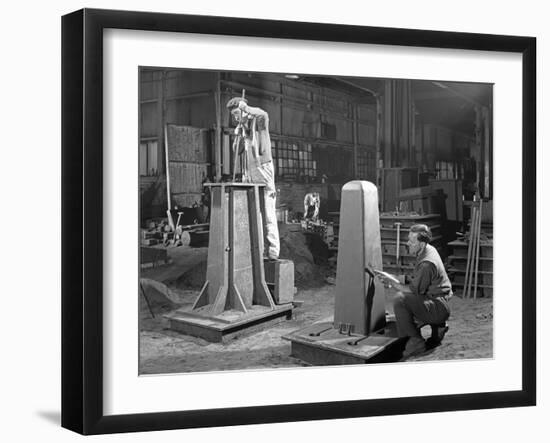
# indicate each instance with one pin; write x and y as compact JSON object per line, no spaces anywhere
{"x":326,"y":127}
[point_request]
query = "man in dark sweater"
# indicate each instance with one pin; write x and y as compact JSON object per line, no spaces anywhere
{"x":425,"y":298}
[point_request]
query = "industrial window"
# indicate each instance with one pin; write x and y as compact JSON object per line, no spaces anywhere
{"x":334,"y":163}
{"x":366,"y":164}
{"x":294,"y":160}
{"x":448,"y":170}
{"x":148,"y":158}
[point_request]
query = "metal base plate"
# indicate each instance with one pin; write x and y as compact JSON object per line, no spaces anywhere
{"x":322,"y":344}
{"x":229,"y":324}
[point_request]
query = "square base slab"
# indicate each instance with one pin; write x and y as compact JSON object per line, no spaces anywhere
{"x":229,"y":324}
{"x":321,"y":344}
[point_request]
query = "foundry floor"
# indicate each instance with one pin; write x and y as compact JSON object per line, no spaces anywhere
{"x":165,"y":351}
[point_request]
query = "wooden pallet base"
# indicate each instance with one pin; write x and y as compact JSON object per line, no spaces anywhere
{"x":229,"y":324}
{"x":321,"y":344}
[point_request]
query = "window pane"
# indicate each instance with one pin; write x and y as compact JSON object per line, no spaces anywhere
{"x":143,"y":159}
{"x":152,"y":163}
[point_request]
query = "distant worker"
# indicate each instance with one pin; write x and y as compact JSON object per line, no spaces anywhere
{"x":426,"y":296}
{"x":312,"y":202}
{"x":255,"y":131}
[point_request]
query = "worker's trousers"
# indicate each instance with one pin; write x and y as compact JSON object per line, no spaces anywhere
{"x":265,"y":174}
{"x":408,"y":307}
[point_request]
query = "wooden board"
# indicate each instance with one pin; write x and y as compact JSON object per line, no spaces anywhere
{"x":187,"y":162}
{"x":187,"y":144}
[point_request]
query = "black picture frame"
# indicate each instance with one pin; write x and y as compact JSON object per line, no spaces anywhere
{"x":82,"y":215}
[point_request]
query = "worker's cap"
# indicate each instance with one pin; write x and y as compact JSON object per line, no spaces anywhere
{"x":423,"y":231}
{"x":234,"y":102}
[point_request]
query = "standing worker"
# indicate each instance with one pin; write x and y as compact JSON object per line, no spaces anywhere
{"x":255,"y":131}
{"x":426,"y":296}
{"x":312,"y":202}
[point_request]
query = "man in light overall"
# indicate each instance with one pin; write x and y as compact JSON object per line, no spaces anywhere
{"x":255,"y":132}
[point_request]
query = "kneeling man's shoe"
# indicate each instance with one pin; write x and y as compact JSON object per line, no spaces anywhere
{"x":438,"y":332}
{"x":415,"y":346}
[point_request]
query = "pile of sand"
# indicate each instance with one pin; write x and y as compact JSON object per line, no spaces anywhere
{"x":157,"y":296}
{"x":308,"y":252}
{"x":193,"y":278}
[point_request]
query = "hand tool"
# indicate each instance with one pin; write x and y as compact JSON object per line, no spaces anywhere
{"x":168,"y":197}
{"x":178,"y":231}
{"x":240,"y":134}
{"x":146,"y":299}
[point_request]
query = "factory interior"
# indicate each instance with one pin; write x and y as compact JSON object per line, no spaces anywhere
{"x":425,"y":147}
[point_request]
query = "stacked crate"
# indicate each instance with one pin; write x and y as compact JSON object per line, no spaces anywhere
{"x":404,"y":264}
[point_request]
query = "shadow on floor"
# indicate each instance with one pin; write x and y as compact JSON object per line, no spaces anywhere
{"x":54,"y":417}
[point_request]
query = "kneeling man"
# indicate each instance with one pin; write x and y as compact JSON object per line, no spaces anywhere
{"x":426,"y":296}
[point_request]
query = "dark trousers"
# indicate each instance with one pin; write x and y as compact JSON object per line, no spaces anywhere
{"x":408,"y":306}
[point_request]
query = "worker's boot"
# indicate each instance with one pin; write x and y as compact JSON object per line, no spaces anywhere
{"x":414,"y":346}
{"x":438,"y":332}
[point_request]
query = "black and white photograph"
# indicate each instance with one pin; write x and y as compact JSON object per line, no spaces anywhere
{"x":275,"y":222}
{"x":295,"y":220}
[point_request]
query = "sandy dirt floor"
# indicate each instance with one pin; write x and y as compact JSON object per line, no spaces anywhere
{"x":165,"y":351}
